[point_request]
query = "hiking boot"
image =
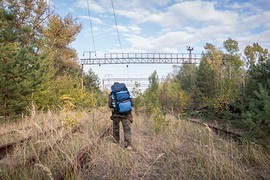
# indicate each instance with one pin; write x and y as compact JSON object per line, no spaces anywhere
{"x":129,"y":148}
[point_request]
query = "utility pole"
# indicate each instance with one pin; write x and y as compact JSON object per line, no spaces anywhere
{"x":82,"y":78}
{"x":89,"y":55}
{"x":190,"y":49}
{"x":107,"y":75}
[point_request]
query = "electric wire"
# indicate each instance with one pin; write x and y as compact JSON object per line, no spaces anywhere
{"x":90,"y":20}
{"x":116,"y":27}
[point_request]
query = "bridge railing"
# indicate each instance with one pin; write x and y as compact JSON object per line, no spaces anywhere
{"x":143,"y":58}
{"x":151,"y":55}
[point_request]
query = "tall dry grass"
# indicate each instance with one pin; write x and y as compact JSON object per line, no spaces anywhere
{"x":180,"y":150}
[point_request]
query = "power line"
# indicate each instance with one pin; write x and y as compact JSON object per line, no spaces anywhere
{"x":116,"y":27}
{"x":90,"y":20}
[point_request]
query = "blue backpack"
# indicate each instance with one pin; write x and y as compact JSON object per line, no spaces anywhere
{"x":121,"y":100}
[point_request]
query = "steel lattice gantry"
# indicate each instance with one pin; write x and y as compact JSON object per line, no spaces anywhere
{"x":142,"y":58}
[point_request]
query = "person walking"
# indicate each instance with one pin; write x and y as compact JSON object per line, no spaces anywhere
{"x":120,"y":103}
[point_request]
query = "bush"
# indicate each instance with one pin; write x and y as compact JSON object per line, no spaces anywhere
{"x":257,"y":116}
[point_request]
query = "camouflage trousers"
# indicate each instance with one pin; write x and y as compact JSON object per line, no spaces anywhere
{"x":126,"y":128}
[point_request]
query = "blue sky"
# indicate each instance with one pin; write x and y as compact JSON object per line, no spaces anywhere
{"x":164,"y":26}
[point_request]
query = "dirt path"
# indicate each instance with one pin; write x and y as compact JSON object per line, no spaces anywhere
{"x":146,"y":153}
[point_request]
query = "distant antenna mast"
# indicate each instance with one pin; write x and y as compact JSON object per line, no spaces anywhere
{"x":190,"y":49}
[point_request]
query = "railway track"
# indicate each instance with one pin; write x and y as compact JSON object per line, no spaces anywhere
{"x":9,"y":147}
{"x":13,"y":131}
{"x":218,"y":130}
{"x":16,"y":130}
{"x":83,"y":155}
{"x":81,"y":158}
{"x":77,"y":161}
{"x":31,"y":159}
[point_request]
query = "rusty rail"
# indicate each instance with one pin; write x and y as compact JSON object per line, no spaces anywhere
{"x":31,"y":159}
{"x":9,"y":147}
{"x":14,"y":131}
{"x":219,"y":131}
{"x":80,"y":159}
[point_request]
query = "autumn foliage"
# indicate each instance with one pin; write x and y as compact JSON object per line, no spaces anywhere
{"x":37,"y":64}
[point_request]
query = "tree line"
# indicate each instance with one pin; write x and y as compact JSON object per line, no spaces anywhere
{"x":228,"y":86}
{"x":37,"y":64}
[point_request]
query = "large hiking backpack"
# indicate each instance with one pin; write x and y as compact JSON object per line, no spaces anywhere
{"x":121,"y":100}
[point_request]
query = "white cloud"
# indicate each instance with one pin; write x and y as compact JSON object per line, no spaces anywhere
{"x":193,"y":12}
{"x":149,"y":3}
{"x":88,"y":32}
{"x":169,"y":42}
{"x":140,"y":4}
{"x":129,"y":29}
{"x":257,"y":20}
{"x":139,"y":42}
{"x":199,"y":22}
{"x":181,"y":23}
{"x":236,"y":6}
{"x":93,"y":6}
{"x":137,"y":15}
{"x":71,"y":9}
{"x":261,"y":38}
{"x":94,"y":20}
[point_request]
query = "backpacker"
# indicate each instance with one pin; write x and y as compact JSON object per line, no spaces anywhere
{"x":121,"y":100}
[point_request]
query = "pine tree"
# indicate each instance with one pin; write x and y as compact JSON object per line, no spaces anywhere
{"x":91,"y":81}
{"x":257,"y":117}
{"x":256,"y":93}
{"x":256,"y":74}
{"x":186,"y":76}
{"x":20,"y":70}
{"x":205,"y":79}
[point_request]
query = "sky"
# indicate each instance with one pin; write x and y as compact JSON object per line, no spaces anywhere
{"x":165,"y":26}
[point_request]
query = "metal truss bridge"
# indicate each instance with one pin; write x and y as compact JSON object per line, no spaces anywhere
{"x":142,"y":58}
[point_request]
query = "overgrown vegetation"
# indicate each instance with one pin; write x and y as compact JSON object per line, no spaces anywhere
{"x":226,"y":87}
{"x":39,"y":69}
{"x":180,"y":150}
{"x":37,"y":64}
